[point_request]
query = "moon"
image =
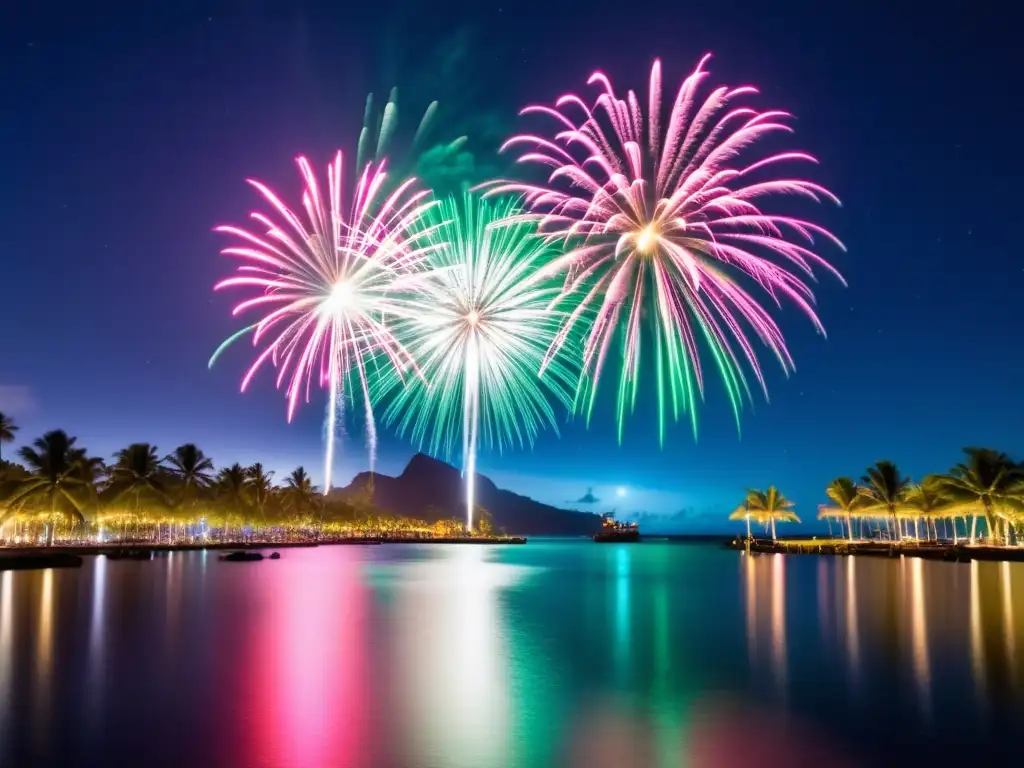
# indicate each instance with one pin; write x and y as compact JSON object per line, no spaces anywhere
{"x":620,"y":491}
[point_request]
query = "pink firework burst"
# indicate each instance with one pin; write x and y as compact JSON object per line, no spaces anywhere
{"x":659,"y":220}
{"x":324,"y":283}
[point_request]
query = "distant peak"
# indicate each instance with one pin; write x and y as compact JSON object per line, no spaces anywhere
{"x":421,"y":462}
{"x":422,"y":458}
{"x":427,"y":467}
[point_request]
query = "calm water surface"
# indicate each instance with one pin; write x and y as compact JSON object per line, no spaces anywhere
{"x":555,"y":653}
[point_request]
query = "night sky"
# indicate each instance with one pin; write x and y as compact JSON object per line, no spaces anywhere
{"x":125,"y":136}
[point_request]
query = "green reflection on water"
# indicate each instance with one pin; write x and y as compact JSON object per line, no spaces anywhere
{"x":603,"y":677}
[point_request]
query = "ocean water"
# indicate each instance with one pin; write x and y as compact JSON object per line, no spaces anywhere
{"x":557,"y":653}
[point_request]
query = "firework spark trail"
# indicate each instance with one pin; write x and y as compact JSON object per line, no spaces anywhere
{"x":377,"y":130}
{"x":657,"y":220}
{"x":325,"y":283}
{"x":480,"y":328}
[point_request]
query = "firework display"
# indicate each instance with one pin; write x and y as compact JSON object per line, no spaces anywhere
{"x":324,"y":284}
{"x":480,"y":327}
{"x":664,"y":230}
{"x":649,"y":250}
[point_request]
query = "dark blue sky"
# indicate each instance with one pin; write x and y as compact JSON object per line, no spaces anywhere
{"x":125,"y":137}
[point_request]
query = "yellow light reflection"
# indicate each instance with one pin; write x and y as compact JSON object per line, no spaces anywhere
{"x":1009,"y":628}
{"x":919,"y":634}
{"x":824,"y":601}
{"x":44,"y":637}
{"x":6,"y":648}
{"x":977,"y":644}
{"x":852,"y":629}
{"x":779,"y":620}
{"x":748,"y":563}
{"x":44,"y":662}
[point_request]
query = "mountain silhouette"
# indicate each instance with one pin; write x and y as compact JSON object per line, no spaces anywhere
{"x":431,"y":490}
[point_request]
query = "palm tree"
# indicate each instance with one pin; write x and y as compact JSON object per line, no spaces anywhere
{"x":844,"y":492}
{"x":299,"y":493}
{"x":928,"y":502}
{"x":190,"y":466}
{"x":192,"y":470}
{"x":742,"y":513}
{"x":232,"y":493}
{"x":137,"y":471}
{"x":11,"y":477}
{"x":766,"y":507}
{"x":260,"y":485}
{"x":484,"y":522}
{"x":60,"y":479}
{"x":92,"y":470}
{"x":989,"y":483}
{"x":299,"y":486}
{"x":884,"y":490}
{"x":7,"y":430}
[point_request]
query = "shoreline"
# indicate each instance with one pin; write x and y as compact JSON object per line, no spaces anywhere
{"x":943,"y":551}
{"x":19,"y":558}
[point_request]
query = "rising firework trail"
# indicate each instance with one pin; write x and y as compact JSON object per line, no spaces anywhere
{"x":480,"y":328}
{"x":664,"y":223}
{"x":324,"y":283}
{"x":378,"y":130}
{"x":436,"y":163}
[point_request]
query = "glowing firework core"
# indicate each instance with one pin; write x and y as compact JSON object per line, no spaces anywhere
{"x":647,"y":240}
{"x":339,"y":299}
{"x":473,"y":318}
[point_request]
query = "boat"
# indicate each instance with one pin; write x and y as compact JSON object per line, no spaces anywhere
{"x":16,"y":561}
{"x":130,"y":554}
{"x":242,"y":557}
{"x":614,"y":531}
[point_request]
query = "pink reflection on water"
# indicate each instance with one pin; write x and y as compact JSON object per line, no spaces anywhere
{"x":308,"y":664}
